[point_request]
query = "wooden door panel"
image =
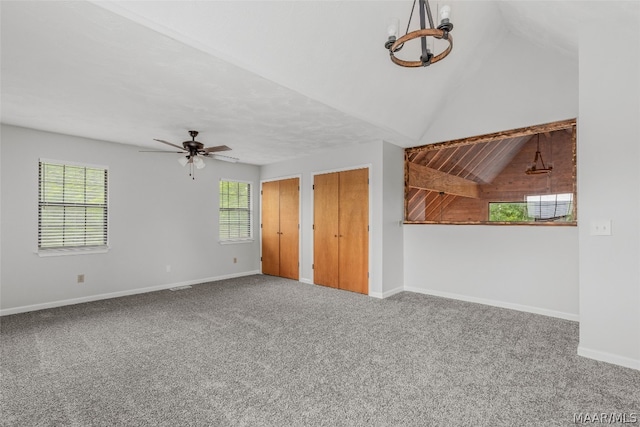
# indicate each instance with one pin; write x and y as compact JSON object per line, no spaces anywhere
{"x":354,"y":234}
{"x":325,"y":233}
{"x":289,"y":230}
{"x":270,"y":228}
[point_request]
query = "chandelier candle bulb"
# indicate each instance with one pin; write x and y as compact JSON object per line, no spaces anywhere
{"x":445,"y":12}
{"x":392,"y":29}
{"x":392,"y":32}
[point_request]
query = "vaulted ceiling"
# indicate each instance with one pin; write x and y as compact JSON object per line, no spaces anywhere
{"x":272,"y":79}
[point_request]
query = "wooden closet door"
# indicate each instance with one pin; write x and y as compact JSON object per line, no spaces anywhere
{"x":325,"y":229}
{"x":354,"y":231}
{"x":289,"y":229}
{"x":271,"y":228}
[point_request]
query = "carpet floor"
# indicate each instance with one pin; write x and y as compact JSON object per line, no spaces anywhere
{"x":265,"y":351}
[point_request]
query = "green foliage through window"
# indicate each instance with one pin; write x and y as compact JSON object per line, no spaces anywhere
{"x":537,"y":208}
{"x":72,"y":208}
{"x":508,"y":212}
{"x":235,"y":211}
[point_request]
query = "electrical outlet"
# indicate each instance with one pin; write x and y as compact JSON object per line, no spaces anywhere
{"x":235,"y":260}
{"x":168,"y":268}
{"x":80,"y":278}
{"x":600,"y":227}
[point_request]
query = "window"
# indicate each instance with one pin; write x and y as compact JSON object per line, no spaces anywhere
{"x":235,"y":211}
{"x":72,"y":206}
{"x":550,"y":207}
{"x":545,"y":207}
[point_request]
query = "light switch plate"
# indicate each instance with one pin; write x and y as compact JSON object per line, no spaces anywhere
{"x":600,"y":227}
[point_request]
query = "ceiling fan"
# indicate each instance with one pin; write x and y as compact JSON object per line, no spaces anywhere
{"x":195,"y":151}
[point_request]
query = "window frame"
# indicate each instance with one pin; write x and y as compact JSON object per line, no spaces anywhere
{"x":250,"y":238}
{"x":410,"y":153}
{"x":532,"y":219}
{"x":72,"y":250}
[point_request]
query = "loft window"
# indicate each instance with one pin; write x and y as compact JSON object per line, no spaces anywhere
{"x":525,"y":176}
{"x":550,"y":207}
{"x":235,"y":211}
{"x":539,"y":208}
{"x":72,"y":207}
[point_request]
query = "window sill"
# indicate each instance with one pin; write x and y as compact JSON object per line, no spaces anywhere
{"x":72,"y":251}
{"x":513,"y":223}
{"x":232,"y":242}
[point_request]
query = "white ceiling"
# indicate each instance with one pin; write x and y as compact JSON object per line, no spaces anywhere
{"x":271,"y":79}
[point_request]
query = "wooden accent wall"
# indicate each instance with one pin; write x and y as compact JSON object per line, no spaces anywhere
{"x":435,"y":202}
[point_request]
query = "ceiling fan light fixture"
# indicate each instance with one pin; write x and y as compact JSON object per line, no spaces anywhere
{"x":427,"y":57}
{"x":198,"y":162}
{"x":193,"y":152}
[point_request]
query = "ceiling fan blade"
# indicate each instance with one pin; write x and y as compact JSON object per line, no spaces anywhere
{"x":168,"y":143}
{"x":216,"y":149}
{"x":226,"y":158}
{"x":160,"y":151}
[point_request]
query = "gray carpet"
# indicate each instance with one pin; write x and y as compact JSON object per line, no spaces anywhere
{"x":264,"y":351}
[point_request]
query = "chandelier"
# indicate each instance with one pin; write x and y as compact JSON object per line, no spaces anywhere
{"x":394,"y":44}
{"x":535,"y":168}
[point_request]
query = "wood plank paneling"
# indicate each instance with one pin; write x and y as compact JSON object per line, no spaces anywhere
{"x":505,"y":171}
{"x":514,"y":133}
{"x":354,"y":235}
{"x":325,"y":229}
{"x":433,"y":180}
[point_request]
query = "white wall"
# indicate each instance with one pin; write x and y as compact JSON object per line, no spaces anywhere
{"x":601,"y":281}
{"x":385,"y":234}
{"x":518,"y":84}
{"x":609,"y":187}
{"x":158,"y":216}
{"x":392,"y":217}
{"x":525,"y":268}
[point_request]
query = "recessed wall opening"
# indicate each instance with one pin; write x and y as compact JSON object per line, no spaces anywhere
{"x":523,"y":176}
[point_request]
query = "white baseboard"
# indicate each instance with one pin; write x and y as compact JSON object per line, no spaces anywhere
{"x":380,"y":295}
{"x":387,"y":294}
{"x":602,"y":356}
{"x":35,"y":307}
{"x":495,"y":303}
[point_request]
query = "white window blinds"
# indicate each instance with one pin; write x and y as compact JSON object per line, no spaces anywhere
{"x":72,"y":208}
{"x":550,"y":206}
{"x":235,"y":211}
